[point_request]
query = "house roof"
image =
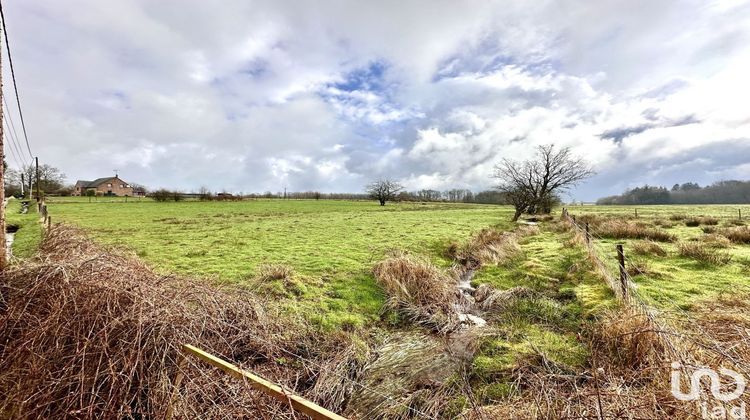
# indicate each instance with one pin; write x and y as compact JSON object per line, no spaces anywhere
{"x":95,"y":183}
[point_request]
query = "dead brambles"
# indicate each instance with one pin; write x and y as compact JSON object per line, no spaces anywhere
{"x":648,"y":248}
{"x":703,"y":254}
{"x":91,"y":333}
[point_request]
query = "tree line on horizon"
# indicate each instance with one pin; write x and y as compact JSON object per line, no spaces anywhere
{"x":721,"y":192}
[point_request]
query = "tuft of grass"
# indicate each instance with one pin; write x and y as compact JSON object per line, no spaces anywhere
{"x":716,"y":241}
{"x":621,"y":229}
{"x":693,"y":222}
{"x":418,"y":290}
{"x":491,"y":246}
{"x":270,"y":272}
{"x":637,"y":267}
{"x":703,"y":254}
{"x":648,"y":248}
{"x":739,"y":234}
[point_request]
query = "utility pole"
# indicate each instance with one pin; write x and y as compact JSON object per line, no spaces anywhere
{"x":23,"y":187}
{"x":3,"y":244}
{"x":38,"y":188}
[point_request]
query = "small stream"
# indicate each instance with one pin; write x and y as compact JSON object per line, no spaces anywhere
{"x":465,"y":310}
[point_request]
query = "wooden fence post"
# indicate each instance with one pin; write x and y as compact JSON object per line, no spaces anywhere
{"x":623,"y":274}
{"x":588,"y":235}
{"x":49,"y":222}
{"x":636,"y":213}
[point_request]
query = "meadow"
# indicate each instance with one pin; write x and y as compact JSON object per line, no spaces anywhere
{"x":390,"y":272}
{"x":330,"y":246}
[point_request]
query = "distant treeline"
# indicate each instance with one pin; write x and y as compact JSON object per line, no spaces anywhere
{"x":722,"y":192}
{"x":454,"y":195}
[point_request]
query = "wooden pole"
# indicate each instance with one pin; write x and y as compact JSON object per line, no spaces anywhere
{"x":623,"y":274}
{"x":269,"y":388}
{"x":38,"y":187}
{"x":636,"y":213}
{"x":3,"y":245}
{"x":23,"y":187}
{"x":588,"y":235}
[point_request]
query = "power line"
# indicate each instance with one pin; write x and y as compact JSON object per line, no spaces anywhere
{"x":13,"y":149}
{"x":14,"y":136}
{"x":13,"y":76}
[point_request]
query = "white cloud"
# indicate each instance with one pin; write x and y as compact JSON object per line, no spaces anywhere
{"x":256,"y":95}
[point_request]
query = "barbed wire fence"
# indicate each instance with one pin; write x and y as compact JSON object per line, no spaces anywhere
{"x":683,"y":338}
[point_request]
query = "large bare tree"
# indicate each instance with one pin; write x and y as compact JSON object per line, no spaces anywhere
{"x":384,"y":190}
{"x":533,"y":185}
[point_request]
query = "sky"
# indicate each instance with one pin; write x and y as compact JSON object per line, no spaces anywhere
{"x":254,"y":96}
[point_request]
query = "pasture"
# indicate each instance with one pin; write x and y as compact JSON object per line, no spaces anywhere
{"x":367,"y":270}
{"x":330,"y":246}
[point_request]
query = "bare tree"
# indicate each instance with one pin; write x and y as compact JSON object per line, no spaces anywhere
{"x":532,"y":186}
{"x":384,"y":190}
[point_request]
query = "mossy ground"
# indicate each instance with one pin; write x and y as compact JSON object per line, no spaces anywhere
{"x":549,"y":325}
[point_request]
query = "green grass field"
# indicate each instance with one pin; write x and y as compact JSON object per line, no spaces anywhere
{"x":330,"y":245}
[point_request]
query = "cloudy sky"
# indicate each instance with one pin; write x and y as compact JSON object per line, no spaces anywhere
{"x":255,"y":96}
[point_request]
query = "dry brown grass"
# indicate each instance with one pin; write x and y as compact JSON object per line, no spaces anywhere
{"x":620,"y":229}
{"x":739,"y":234}
{"x":648,"y":248}
{"x":491,"y":246}
{"x":703,"y":254}
{"x":716,"y":241}
{"x":662,"y":223}
{"x":419,"y":290}
{"x":270,"y":272}
{"x":90,"y":333}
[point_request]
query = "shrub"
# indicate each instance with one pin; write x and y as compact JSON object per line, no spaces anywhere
{"x":648,"y":248}
{"x":163,"y":194}
{"x":703,"y":254}
{"x":692,"y":222}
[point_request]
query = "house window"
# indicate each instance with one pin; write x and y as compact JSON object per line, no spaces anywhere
{"x":123,"y":185}
{"x":109,"y":185}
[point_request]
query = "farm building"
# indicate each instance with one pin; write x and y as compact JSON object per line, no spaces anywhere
{"x":112,"y":185}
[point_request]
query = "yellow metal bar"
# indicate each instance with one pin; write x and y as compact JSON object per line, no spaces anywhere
{"x":298,"y":403}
